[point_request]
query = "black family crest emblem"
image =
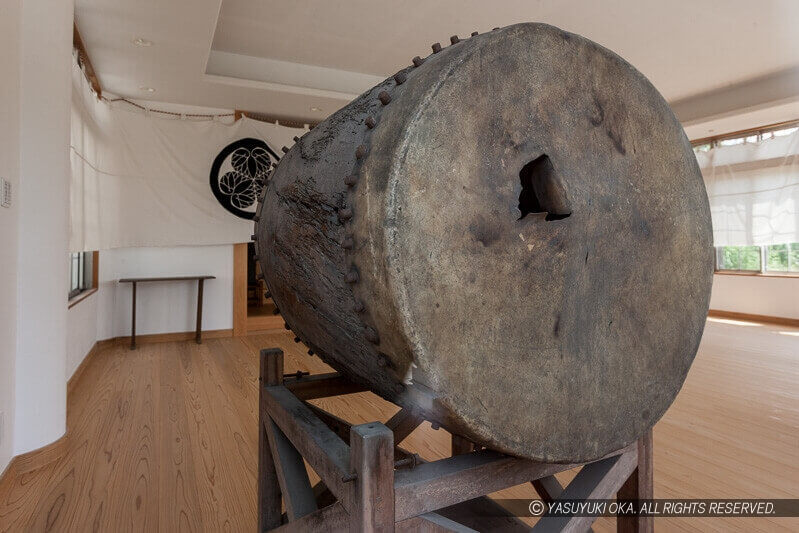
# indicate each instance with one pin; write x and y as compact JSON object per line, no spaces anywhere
{"x":238,"y":175}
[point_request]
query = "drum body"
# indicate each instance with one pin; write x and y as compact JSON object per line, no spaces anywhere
{"x":511,"y":237}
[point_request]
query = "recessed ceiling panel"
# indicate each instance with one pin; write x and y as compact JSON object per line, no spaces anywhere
{"x":285,"y":57}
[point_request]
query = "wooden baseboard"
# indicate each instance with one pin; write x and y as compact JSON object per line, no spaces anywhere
{"x":29,"y":461}
{"x":272,"y":331}
{"x":734,"y":315}
{"x":141,"y":339}
{"x":25,"y":462}
{"x":174,"y":337}
{"x":98,"y":346}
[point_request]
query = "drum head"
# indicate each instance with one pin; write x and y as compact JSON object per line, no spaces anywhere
{"x":538,"y":238}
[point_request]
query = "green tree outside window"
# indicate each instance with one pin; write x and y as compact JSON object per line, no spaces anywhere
{"x":778,"y":258}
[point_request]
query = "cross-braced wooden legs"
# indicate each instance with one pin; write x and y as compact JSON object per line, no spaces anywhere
{"x":268,"y":486}
{"x":368,"y":483}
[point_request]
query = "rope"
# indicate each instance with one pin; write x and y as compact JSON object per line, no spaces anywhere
{"x":169,"y":113}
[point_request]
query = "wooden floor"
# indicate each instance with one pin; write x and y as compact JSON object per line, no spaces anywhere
{"x":261,"y":310}
{"x":164,"y":438}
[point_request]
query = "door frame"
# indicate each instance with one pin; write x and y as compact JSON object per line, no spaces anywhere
{"x":240,"y":289}
{"x":242,"y":324}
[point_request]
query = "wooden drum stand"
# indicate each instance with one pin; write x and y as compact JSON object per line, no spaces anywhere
{"x":369,"y":484}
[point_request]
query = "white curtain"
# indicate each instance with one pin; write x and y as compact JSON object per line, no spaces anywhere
{"x":754,"y":191}
{"x":142,"y":180}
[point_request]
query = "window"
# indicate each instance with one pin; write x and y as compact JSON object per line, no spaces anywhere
{"x":786,"y":131}
{"x":748,"y":137}
{"x":773,"y":258}
{"x":705,"y":147}
{"x":782,"y":257}
{"x":743,"y":258}
{"x":732,"y":142}
{"x":766,"y":168}
{"x":81,"y":272}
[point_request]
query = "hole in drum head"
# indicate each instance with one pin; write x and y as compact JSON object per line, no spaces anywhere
{"x":542,"y":190}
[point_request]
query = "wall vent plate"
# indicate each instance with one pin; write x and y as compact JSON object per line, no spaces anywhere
{"x":5,"y":193}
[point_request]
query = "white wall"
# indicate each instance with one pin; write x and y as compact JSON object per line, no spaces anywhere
{"x":81,"y":332}
{"x":43,"y":232}
{"x":10,"y":15}
{"x":164,"y":307}
{"x":757,"y":295}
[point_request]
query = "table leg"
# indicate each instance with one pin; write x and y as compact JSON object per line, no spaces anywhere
{"x":133,"y":321}
{"x":198,"y":336}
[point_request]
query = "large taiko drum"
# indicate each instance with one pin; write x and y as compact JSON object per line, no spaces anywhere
{"x":511,"y":237}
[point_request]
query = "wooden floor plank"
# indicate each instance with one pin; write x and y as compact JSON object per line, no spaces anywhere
{"x":164,"y":438}
{"x":177,"y":483}
{"x":139,"y":494}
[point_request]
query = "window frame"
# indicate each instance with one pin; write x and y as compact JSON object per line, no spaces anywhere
{"x":718,"y":250}
{"x":77,"y":260}
{"x":752,"y":135}
{"x":779,"y":272}
{"x":764,"y":271}
{"x":88,"y":264}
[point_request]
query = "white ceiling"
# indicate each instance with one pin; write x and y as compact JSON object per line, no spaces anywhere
{"x":285,"y":57}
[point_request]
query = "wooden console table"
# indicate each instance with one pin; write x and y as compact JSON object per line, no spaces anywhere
{"x":200,"y":280}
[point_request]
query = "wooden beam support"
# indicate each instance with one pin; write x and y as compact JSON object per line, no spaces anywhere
{"x":342,"y":428}
{"x":432,"y":523}
{"x":323,"y":495}
{"x":443,"y":495}
{"x":333,"y":518}
{"x":549,"y":489}
{"x":327,"y":454}
{"x":339,"y":426}
{"x":596,"y":480}
{"x":442,"y":483}
{"x":484,"y":514}
{"x":639,"y":487}
{"x":372,"y":460}
{"x":85,"y":61}
{"x":322,"y":386}
{"x":403,"y":423}
{"x":268,"y":485}
{"x":294,"y":483}
{"x":461,"y":446}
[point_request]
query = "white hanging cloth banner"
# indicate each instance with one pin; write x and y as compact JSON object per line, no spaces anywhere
{"x":142,"y":180}
{"x":754,"y":191}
